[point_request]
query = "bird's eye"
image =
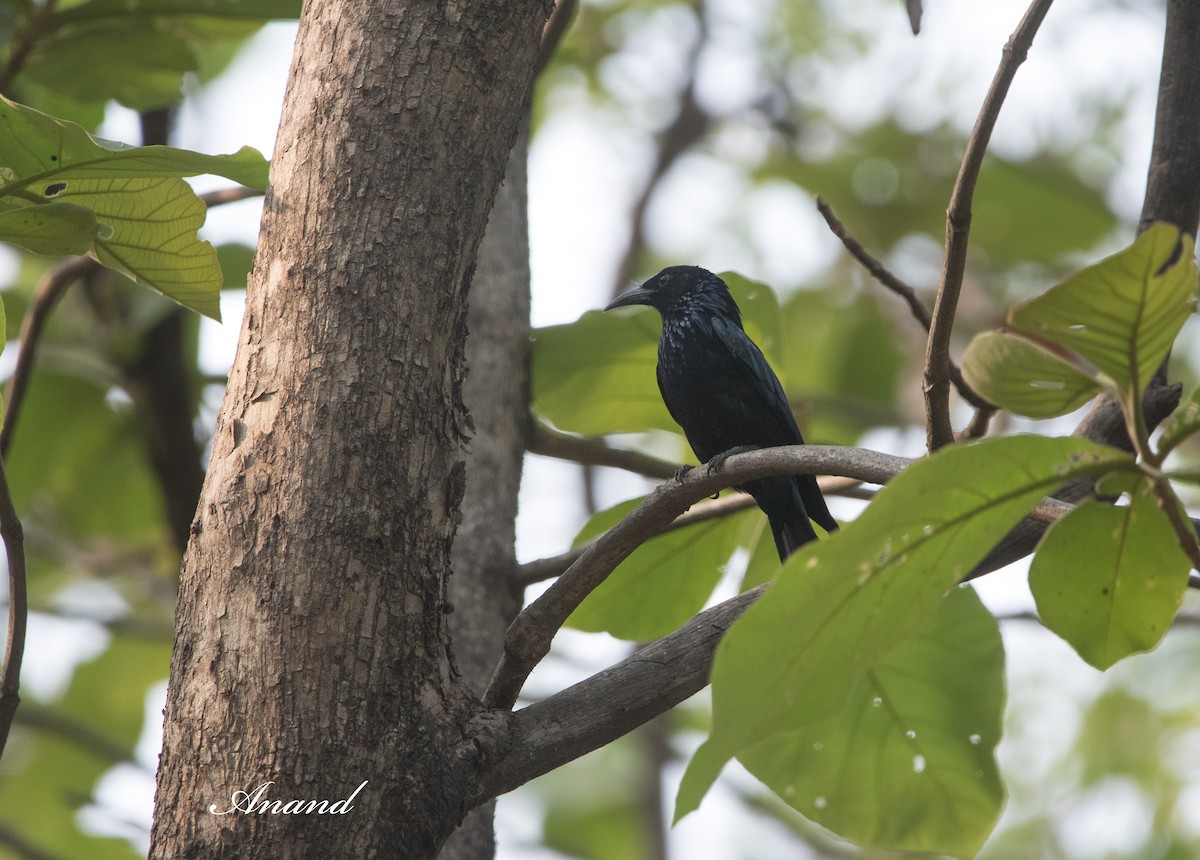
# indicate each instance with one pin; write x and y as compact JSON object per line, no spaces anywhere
{"x":662,"y":282}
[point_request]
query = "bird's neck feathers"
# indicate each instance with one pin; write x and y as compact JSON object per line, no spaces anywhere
{"x":704,"y":302}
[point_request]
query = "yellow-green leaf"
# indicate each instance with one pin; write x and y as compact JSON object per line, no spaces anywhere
{"x":1025,"y":378}
{"x":1109,"y":579}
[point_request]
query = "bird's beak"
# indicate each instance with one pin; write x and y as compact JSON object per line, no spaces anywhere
{"x":636,"y":296}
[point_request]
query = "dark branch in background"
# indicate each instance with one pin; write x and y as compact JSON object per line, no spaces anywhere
{"x":158,"y":378}
{"x":1173,"y":180}
{"x":690,"y":125}
{"x":229,"y":195}
{"x":983,"y":410}
{"x":595,"y":452}
{"x":552,"y":34}
{"x":18,"y":609}
{"x":81,"y":735}
{"x":958,"y":227}
{"x":547,"y":568}
{"x":35,"y":29}
{"x":45,"y":296}
{"x":529,"y":637}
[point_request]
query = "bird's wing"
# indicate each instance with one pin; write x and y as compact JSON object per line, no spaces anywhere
{"x":760,"y":382}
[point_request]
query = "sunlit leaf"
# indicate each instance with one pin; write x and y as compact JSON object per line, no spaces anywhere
{"x":1123,"y":313}
{"x":842,"y":604}
{"x":1108,"y":579}
{"x":147,"y":215}
{"x":55,"y":228}
{"x":908,"y":763}
{"x":1023,"y":377}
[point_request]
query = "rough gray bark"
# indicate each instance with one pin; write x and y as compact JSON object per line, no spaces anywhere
{"x":483,"y":591}
{"x":311,"y":636}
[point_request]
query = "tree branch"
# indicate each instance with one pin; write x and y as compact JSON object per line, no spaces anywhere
{"x":51,"y":288}
{"x":613,"y":702}
{"x":528,"y":639}
{"x":18,"y":609}
{"x":1173,"y":179}
{"x":958,"y":227}
{"x":880,"y":272}
{"x":588,"y":451}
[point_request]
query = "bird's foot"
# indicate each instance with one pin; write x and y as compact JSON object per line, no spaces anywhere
{"x":717,"y":463}
{"x":681,"y":473}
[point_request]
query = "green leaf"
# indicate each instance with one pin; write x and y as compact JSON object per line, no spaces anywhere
{"x":909,"y":762}
{"x":596,"y":375}
{"x":1123,"y":313}
{"x":1023,"y":377}
{"x":148,"y":216}
{"x":133,"y":60}
{"x":148,"y":231}
{"x":842,"y":604}
{"x":54,"y":228}
{"x":664,"y":583}
{"x":1108,"y":579}
{"x":38,"y":151}
{"x":254,"y":10}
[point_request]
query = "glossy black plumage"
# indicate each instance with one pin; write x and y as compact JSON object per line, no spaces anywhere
{"x":719,"y":388}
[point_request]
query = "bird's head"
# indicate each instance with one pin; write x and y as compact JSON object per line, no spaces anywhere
{"x":679,"y":290}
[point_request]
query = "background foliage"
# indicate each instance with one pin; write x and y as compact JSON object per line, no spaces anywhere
{"x":725,"y":118}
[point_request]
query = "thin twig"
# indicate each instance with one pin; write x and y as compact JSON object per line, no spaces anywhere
{"x":958,"y":227}
{"x":874,"y":267}
{"x":51,"y":288}
{"x":881,"y":273}
{"x":528,"y":639}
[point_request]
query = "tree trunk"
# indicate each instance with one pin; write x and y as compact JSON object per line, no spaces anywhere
{"x":311,"y":638}
{"x":483,"y":590}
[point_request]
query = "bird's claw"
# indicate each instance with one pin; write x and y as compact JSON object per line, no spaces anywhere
{"x":717,"y":463}
{"x":681,"y":473}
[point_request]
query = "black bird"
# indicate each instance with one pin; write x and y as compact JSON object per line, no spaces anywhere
{"x":719,"y":388}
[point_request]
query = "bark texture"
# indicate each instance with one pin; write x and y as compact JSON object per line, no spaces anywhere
{"x":311,"y":638}
{"x":483,"y":591}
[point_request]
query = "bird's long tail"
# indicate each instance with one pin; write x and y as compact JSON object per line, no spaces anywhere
{"x":786,"y":505}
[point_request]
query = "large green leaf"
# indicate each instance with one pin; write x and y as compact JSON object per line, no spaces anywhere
{"x":908,"y":763}
{"x":1123,"y":313}
{"x":39,"y":151}
{"x":1109,"y":579}
{"x":133,"y":60}
{"x":596,"y":375}
{"x":255,"y":10}
{"x":55,"y":228}
{"x":1024,"y":377}
{"x":842,"y":604}
{"x":148,"y":216}
{"x":664,"y":583}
